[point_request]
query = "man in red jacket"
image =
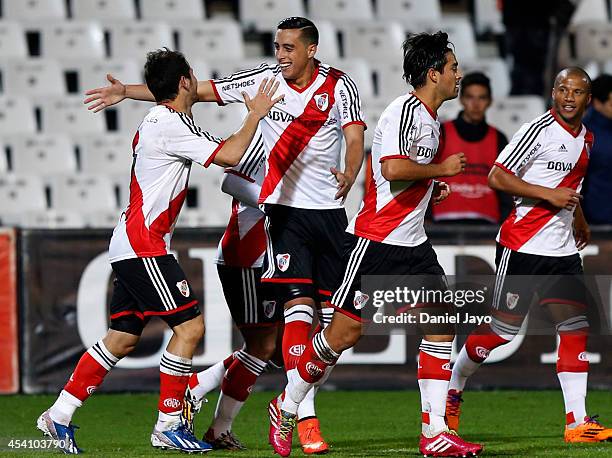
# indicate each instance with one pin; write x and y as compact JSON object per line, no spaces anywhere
{"x":471,"y":199}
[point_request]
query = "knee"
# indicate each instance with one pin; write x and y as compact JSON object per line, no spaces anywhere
{"x":193,"y":332}
{"x":340,"y":341}
{"x":262,"y":350}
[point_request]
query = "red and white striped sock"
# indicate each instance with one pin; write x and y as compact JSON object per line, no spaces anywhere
{"x":298,"y":322}
{"x":173,"y":378}
{"x":87,"y":376}
{"x":573,"y":368}
{"x":203,"y":382}
{"x":433,"y":373}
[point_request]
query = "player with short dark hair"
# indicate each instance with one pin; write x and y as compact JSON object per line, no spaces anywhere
{"x":148,"y":279}
{"x":543,"y":167}
{"x":304,"y":189}
{"x":387,"y":237}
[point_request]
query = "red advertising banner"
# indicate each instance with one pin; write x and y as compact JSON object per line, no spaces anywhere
{"x":9,"y":355}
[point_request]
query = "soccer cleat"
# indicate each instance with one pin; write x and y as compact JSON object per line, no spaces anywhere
{"x":64,"y":435}
{"x":310,"y":437}
{"x":178,"y":438}
{"x":191,"y":407}
{"x":448,"y":443}
{"x":281,"y":430}
{"x":589,"y":431}
{"x":453,"y":409}
{"x":273,"y":413}
{"x":226,"y":441}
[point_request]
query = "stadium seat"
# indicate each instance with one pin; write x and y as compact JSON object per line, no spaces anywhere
{"x":360,"y":72}
{"x":460,"y":33}
{"x":106,"y":219}
{"x":70,"y":39}
{"x":223,"y":67}
{"x":341,"y":10}
{"x":372,"y":109}
{"x":108,"y":153}
{"x":588,"y":11}
{"x":32,"y":77}
{"x":4,"y":168}
{"x":42,"y":154}
{"x":510,"y":113}
{"x":408,"y":10}
{"x":449,"y":110}
{"x":130,"y":114}
{"x":488,"y":17}
{"x":495,"y":68}
{"x":219,"y":121}
{"x":594,"y":41}
{"x":85,"y":193}
{"x":136,"y":39}
{"x":92,"y":73}
{"x":328,"y":48}
{"x":264,"y":15}
{"x":27,"y":10}
{"x":69,"y":115}
{"x":168,"y":10}
{"x":121,"y":186}
{"x":48,"y":219}
{"x":355,"y":196}
{"x":390,"y":80}
{"x":213,"y":206}
{"x":210,"y":39}
{"x":373,"y":40}
{"x":16,"y":115}
{"x":201,"y":69}
{"x":20,"y":193}
{"x":12,"y":40}
{"x":103,"y":9}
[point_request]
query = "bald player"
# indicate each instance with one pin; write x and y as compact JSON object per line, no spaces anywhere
{"x":543,"y":168}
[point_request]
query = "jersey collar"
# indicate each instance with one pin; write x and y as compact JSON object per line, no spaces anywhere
{"x":563,"y":124}
{"x":315,"y":73}
{"x":432,"y":113}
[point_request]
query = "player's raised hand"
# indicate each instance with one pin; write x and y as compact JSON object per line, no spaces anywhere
{"x":103,"y":97}
{"x":453,"y":165}
{"x":440,"y":192}
{"x":261,"y":104}
{"x":566,"y":198}
{"x":345,"y":183}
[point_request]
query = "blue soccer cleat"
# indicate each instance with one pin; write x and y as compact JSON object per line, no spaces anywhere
{"x":179,"y":438}
{"x":64,"y":435}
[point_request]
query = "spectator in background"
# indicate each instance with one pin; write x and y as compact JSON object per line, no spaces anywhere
{"x":532,"y":36}
{"x":471,"y":199}
{"x":597,"y":190}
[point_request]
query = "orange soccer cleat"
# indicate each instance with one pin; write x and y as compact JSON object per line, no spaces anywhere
{"x":312,"y":442}
{"x":589,"y":431}
{"x":453,"y":409}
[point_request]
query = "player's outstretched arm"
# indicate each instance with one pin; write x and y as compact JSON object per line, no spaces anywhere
{"x":353,"y":158}
{"x":409,"y":170}
{"x":501,"y":180}
{"x":241,"y":189}
{"x":259,"y":106}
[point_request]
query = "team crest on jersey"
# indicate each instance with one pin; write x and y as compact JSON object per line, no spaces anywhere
{"x":282,"y":261}
{"x":268,"y":308}
{"x":360,"y":300}
{"x":183,"y":287}
{"x":322,"y":101}
{"x":511,"y":300}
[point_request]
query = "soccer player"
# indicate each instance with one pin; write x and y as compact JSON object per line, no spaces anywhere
{"x":149,"y":281}
{"x":304,"y":188}
{"x":388,"y":238}
{"x":543,"y":166}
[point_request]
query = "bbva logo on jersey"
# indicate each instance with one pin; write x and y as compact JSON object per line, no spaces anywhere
{"x":322,"y":101}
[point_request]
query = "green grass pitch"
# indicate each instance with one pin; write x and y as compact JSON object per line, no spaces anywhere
{"x":356,"y":423}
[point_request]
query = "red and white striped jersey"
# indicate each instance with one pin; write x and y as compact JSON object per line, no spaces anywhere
{"x":165,"y":145}
{"x":302,"y":133}
{"x":244,"y":242}
{"x":393,"y":212}
{"x":544,"y":152}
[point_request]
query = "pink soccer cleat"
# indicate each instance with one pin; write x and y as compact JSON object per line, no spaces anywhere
{"x":281,"y":428}
{"x":448,"y":443}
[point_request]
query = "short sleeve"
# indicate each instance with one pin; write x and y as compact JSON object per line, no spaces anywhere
{"x":400,"y":129}
{"x":230,"y":89}
{"x":524,"y":147}
{"x":348,"y":102}
{"x":252,"y":165}
{"x":184,"y":138}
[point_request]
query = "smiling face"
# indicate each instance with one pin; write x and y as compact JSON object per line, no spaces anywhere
{"x":293,"y":54}
{"x":448,"y":80}
{"x":571,"y":96}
